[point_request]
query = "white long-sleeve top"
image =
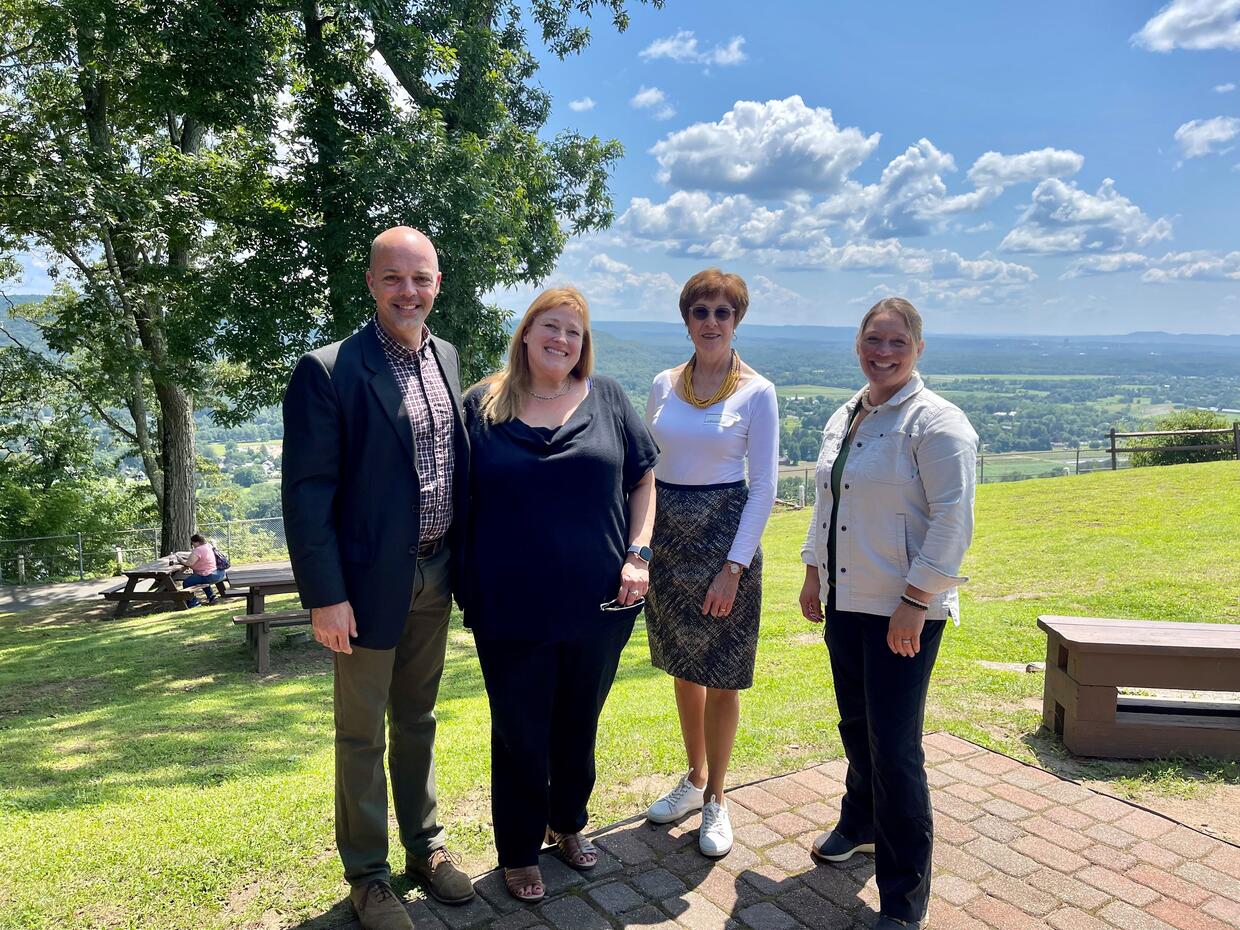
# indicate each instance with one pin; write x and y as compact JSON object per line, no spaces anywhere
{"x":712,"y":446}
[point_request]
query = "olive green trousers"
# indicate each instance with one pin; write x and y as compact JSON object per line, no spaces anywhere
{"x":397,"y":686}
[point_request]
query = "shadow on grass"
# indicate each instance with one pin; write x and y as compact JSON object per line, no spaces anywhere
{"x":1175,"y":775}
{"x":92,"y":711}
{"x":340,"y":917}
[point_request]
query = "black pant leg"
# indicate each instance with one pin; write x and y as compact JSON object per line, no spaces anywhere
{"x":895,"y":690}
{"x":521,"y":682}
{"x":587,"y":668}
{"x":845,"y":635}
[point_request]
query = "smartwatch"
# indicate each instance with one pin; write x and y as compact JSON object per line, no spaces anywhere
{"x":642,"y":552}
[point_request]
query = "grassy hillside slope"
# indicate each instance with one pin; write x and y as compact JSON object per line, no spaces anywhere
{"x":149,"y":779}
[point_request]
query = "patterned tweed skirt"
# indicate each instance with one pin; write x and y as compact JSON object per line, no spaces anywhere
{"x":694,"y":527}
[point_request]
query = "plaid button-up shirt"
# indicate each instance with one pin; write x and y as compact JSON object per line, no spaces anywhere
{"x":429,"y":406}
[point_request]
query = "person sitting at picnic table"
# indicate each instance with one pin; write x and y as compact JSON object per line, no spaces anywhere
{"x":562,"y":506}
{"x":203,"y":571}
{"x":892,"y":520}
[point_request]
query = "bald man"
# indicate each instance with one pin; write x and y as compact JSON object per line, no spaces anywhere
{"x":374,"y":489}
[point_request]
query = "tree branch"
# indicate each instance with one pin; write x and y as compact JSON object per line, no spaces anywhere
{"x":62,"y":374}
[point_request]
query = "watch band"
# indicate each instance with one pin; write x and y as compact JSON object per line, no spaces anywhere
{"x":642,"y":552}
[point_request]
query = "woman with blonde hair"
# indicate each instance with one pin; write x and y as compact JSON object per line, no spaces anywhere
{"x":892,"y":520}
{"x":555,"y":572}
{"x":717,"y":423}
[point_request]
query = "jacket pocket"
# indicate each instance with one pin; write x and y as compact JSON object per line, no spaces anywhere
{"x":901,"y":543}
{"x":890,"y":458}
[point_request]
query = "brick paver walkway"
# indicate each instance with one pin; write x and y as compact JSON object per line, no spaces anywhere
{"x":1016,"y":848}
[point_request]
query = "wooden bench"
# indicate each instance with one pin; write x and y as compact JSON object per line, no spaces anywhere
{"x":1088,"y":659}
{"x":258,"y":632}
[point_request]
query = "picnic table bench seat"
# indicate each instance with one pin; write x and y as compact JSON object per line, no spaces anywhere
{"x":258,"y":632}
{"x":1088,"y":659}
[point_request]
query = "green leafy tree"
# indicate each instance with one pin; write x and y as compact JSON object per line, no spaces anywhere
{"x":206,"y":177}
{"x":248,"y":475}
{"x":54,"y":478}
{"x":1222,"y":444}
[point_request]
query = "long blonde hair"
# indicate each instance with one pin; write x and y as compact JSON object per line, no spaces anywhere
{"x":506,"y":388}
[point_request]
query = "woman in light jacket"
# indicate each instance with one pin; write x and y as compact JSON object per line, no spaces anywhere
{"x":892,"y":519}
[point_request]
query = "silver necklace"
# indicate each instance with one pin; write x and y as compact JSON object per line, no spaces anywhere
{"x":568,"y":387}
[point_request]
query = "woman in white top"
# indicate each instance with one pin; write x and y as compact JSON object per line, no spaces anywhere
{"x":710,"y":417}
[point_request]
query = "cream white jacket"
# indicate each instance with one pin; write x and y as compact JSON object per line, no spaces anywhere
{"x":906,"y":503}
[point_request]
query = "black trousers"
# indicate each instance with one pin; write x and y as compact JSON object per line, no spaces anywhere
{"x":882,"y":702}
{"x":545,"y":700}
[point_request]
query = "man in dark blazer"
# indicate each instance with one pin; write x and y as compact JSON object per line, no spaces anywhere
{"x":375,"y":493}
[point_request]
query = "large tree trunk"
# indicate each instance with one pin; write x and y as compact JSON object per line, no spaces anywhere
{"x":324,"y":129}
{"x":179,"y":467}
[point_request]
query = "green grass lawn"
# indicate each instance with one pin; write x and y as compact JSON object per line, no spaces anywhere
{"x":149,"y":779}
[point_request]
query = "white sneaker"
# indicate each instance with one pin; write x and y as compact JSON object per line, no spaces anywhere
{"x":715,"y":837}
{"x":683,"y":799}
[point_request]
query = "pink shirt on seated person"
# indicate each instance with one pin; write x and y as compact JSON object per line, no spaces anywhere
{"x":202,"y":560}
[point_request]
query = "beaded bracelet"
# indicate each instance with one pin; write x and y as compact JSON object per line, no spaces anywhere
{"x":913,"y":603}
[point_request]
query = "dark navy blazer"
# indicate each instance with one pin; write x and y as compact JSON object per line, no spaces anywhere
{"x":350,"y":487}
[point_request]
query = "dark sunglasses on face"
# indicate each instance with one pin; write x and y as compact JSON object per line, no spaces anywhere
{"x":722,"y":314}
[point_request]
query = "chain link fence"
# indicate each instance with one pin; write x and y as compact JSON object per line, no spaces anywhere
{"x":46,"y":559}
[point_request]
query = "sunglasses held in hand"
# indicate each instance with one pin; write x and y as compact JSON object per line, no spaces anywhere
{"x":614,"y":604}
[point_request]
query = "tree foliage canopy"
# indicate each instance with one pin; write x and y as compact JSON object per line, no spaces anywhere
{"x":205,"y":177}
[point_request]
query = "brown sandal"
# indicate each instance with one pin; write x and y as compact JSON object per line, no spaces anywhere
{"x":576,"y":851}
{"x":527,"y":876}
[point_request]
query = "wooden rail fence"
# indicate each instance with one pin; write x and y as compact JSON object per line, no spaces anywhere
{"x":1115,"y":449}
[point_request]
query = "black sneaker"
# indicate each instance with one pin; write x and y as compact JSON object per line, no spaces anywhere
{"x":835,"y":847}
{"x":894,"y":923}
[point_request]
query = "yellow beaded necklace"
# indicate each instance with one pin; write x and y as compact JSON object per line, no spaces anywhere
{"x":726,"y":389}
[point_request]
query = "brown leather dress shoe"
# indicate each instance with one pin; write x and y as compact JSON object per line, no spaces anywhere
{"x":379,"y":907}
{"x":439,"y":874}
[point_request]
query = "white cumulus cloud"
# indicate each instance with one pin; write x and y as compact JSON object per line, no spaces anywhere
{"x":1192,"y":24}
{"x":1206,"y":136}
{"x":1224,"y":88}
{"x":1195,"y":266}
{"x":694,"y":223}
{"x":1106,"y":264}
{"x":911,"y":199}
{"x":779,"y":147}
{"x":651,"y":98}
{"x":683,"y":48}
{"x":581,"y":105}
{"x":1063,"y":218}
{"x":994,"y":170}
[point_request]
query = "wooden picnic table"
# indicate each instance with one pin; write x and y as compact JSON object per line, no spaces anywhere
{"x":259,"y":583}
{"x":164,"y":576}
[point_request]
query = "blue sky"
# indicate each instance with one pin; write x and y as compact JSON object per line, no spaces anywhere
{"x":1033,"y":168}
{"x":1058,"y":167}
